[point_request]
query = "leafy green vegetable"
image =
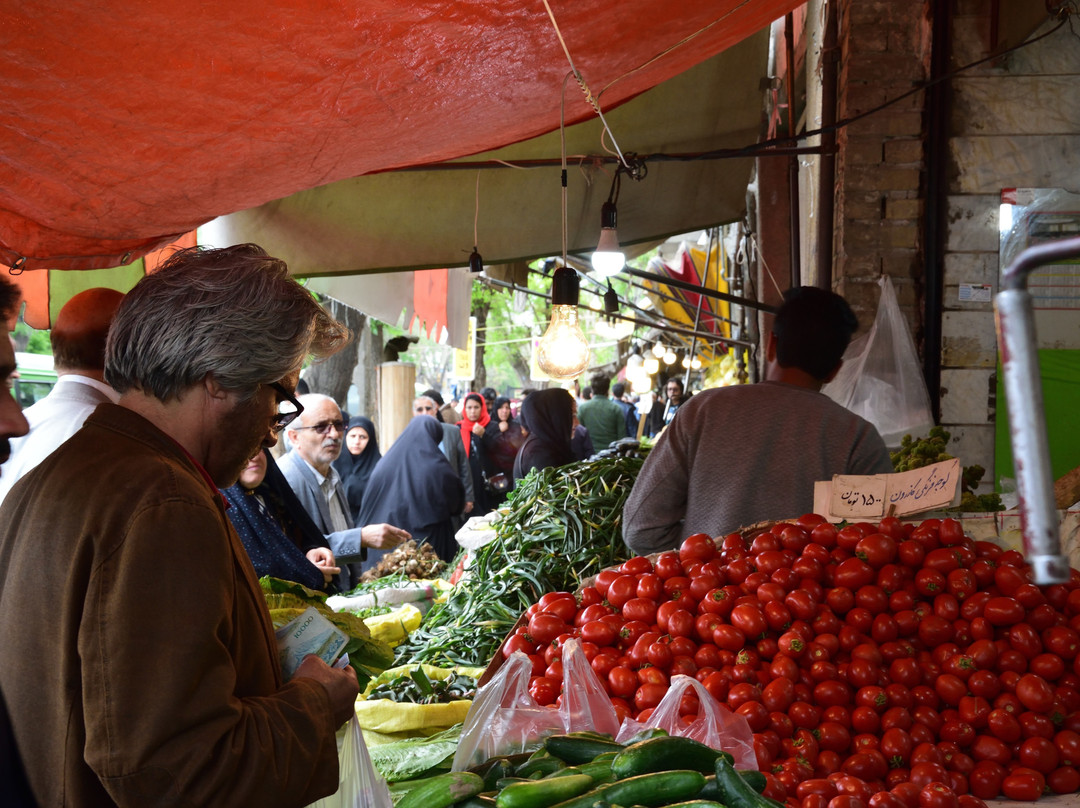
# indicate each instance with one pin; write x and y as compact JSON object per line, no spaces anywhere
{"x":404,"y":760}
{"x":564,"y":524}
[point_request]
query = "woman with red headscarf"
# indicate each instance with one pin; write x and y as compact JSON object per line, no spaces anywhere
{"x":474,"y":418}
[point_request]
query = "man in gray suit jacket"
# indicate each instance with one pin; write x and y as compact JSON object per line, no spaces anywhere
{"x":453,"y":449}
{"x":316,"y":437}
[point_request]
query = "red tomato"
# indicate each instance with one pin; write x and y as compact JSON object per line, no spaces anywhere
{"x":650,"y":585}
{"x":1003,"y":611}
{"x":1023,"y":784}
{"x":544,"y":628}
{"x":649,"y":695}
{"x":667,"y":565}
{"x":1035,"y":693}
{"x":1064,"y":780}
{"x":518,"y":642}
{"x":643,"y":609}
{"x":750,"y":620}
{"x":543,"y":690}
{"x":638,"y":565}
{"x":985,"y":780}
{"x":937,"y":795}
{"x":698,"y":547}
{"x":853,"y":573}
{"x":604,"y":579}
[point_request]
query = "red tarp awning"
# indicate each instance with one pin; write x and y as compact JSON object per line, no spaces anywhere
{"x":127,"y":125}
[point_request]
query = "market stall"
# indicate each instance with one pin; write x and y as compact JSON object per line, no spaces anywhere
{"x":875,"y":663}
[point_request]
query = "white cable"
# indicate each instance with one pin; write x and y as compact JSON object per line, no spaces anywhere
{"x":584,"y":88}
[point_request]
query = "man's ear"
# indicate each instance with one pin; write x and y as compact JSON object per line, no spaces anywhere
{"x":213,"y":389}
{"x":770,"y":347}
{"x":832,"y":375}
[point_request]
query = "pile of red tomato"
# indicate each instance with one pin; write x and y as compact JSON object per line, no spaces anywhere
{"x":885,"y":665}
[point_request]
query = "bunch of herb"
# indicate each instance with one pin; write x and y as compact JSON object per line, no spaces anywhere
{"x":417,"y":687}
{"x":563,"y":525}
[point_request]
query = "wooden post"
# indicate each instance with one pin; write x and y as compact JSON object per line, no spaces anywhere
{"x":396,"y":390}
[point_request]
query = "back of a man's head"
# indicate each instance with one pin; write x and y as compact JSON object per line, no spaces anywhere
{"x":618,"y":390}
{"x":434,"y":395}
{"x":600,"y":384}
{"x":81,"y":328}
{"x":233,"y":312}
{"x":813,"y":328}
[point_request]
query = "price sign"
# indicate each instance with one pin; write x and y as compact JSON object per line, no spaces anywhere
{"x":858,"y":497}
{"x":878,"y":495}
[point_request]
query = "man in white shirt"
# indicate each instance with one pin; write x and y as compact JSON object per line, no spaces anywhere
{"x":78,"y":346}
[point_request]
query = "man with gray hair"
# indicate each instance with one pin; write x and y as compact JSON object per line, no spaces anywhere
{"x":151,"y":676}
{"x":317,"y":437}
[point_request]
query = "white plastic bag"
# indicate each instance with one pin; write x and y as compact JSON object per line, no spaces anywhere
{"x":715,"y":726}
{"x":881,"y":378}
{"x":360,"y":786}
{"x":504,"y":719}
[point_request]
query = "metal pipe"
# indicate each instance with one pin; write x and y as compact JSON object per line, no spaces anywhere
{"x":793,"y":161}
{"x":937,"y":190}
{"x":1015,"y":318}
{"x":830,"y":56}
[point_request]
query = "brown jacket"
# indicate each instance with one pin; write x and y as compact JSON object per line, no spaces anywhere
{"x":139,"y":663}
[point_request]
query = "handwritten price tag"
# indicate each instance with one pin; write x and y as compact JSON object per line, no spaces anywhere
{"x":878,"y":495}
{"x":858,"y":497}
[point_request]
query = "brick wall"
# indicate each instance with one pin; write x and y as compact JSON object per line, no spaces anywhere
{"x":884,"y":53}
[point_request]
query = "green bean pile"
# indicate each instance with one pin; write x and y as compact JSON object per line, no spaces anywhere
{"x":564,"y":525}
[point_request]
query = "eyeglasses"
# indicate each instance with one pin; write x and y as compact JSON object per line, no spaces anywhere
{"x":324,"y":427}
{"x":289,"y":408}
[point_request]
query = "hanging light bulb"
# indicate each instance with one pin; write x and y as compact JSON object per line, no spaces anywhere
{"x":695,"y":364}
{"x":670,"y":357}
{"x":651,"y":365}
{"x":658,"y":350}
{"x":563,"y":352}
{"x":609,"y":259}
{"x":685,"y":362}
{"x":476,"y":263}
{"x":609,"y":325}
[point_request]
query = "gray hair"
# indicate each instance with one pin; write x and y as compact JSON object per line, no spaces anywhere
{"x":233,"y":312}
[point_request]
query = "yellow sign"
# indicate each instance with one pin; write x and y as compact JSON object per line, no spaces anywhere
{"x":465,"y":360}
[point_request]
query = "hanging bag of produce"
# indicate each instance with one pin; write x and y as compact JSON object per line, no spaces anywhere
{"x":586,"y":705}
{"x":504,"y":719}
{"x":360,"y":786}
{"x":881,"y":378}
{"x":715,"y":725}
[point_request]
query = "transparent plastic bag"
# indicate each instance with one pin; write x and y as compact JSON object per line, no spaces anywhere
{"x":715,"y":725}
{"x":360,"y":786}
{"x":881,"y":378}
{"x":504,"y":719}
{"x":586,"y":705}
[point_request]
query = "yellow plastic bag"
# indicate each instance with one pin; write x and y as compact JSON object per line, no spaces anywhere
{"x":393,"y":627}
{"x":385,"y":716}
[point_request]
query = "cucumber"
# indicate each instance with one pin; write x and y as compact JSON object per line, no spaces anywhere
{"x":443,"y":790}
{"x":479,"y":801}
{"x":580,"y":748}
{"x":755,"y":778}
{"x":543,"y":793}
{"x":598,"y":770}
{"x":497,"y":771}
{"x":539,"y":765}
{"x":698,"y":804}
{"x":662,"y":754}
{"x":645,"y":790}
{"x":656,"y":788}
{"x":736,"y":792}
{"x":711,"y":792}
